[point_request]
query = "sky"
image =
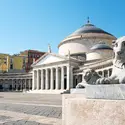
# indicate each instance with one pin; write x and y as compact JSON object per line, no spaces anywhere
{"x":33,"y":24}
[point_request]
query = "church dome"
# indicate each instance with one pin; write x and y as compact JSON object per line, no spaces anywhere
{"x":100,"y":51}
{"x":89,"y":28}
{"x":83,"y":39}
{"x":100,"y":46}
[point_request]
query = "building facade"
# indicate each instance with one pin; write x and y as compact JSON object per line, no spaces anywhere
{"x":15,"y":74}
{"x":87,"y":47}
{"x":19,"y":62}
{"x":12,"y":63}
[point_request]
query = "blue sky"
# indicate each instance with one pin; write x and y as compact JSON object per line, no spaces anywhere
{"x":32,"y":24}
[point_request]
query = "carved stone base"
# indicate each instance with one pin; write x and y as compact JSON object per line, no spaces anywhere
{"x":78,"y":110}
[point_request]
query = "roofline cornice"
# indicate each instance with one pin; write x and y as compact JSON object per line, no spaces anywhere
{"x":87,"y":36}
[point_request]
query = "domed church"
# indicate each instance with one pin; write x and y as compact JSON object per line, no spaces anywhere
{"x":87,"y":47}
{"x":83,"y":40}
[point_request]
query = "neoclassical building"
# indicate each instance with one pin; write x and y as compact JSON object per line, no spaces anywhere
{"x":87,"y":47}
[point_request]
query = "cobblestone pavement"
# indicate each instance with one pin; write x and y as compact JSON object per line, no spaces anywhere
{"x":30,"y":109}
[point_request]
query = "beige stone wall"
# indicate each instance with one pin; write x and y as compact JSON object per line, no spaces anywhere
{"x":81,"y":45}
{"x":100,"y":54}
{"x":80,"y":111}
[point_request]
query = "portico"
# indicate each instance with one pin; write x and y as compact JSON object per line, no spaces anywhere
{"x":53,"y":72}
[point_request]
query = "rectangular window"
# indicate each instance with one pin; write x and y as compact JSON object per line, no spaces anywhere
{"x":11,"y":66}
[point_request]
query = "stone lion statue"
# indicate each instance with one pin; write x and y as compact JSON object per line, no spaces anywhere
{"x":118,"y":71}
{"x":90,"y":77}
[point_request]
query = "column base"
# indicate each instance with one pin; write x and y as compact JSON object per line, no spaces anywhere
{"x":47,"y":91}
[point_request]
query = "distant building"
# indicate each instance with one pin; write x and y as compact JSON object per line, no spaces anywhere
{"x":15,"y":69}
{"x":32,"y":56}
{"x":12,"y":63}
{"x":3,"y":62}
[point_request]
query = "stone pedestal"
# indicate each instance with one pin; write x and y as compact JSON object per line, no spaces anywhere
{"x":80,"y":108}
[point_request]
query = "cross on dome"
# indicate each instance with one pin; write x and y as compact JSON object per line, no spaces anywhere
{"x":88,"y":21}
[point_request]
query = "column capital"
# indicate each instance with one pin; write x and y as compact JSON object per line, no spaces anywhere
{"x":62,"y":66}
{"x":47,"y":69}
{"x":51,"y":68}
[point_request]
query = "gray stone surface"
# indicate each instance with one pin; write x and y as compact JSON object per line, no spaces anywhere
{"x":34,"y":110}
{"x":30,"y":109}
{"x":113,"y":91}
{"x":24,"y":122}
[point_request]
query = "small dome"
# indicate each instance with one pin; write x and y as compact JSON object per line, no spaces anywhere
{"x":101,"y":46}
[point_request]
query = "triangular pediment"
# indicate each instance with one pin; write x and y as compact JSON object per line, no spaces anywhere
{"x":48,"y":58}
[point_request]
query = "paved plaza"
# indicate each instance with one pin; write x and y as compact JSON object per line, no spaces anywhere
{"x":30,"y":109}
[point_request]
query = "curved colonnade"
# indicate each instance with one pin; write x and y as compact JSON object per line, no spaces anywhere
{"x":15,"y":82}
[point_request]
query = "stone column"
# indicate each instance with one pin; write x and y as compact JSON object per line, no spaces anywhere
{"x":33,"y":80}
{"x":16,"y":85}
{"x":47,"y":80}
{"x":52,"y":80}
{"x":12,"y":85}
{"x":21,"y":84}
{"x":37,"y":80}
{"x":57,"y":78}
{"x":68,"y":78}
{"x":108,"y":72}
{"x":74,"y":81}
{"x":103,"y":73}
{"x":42,"y":79}
{"x":71,"y":77}
{"x":29,"y":86}
{"x":25,"y":83}
{"x":62,"y":77}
